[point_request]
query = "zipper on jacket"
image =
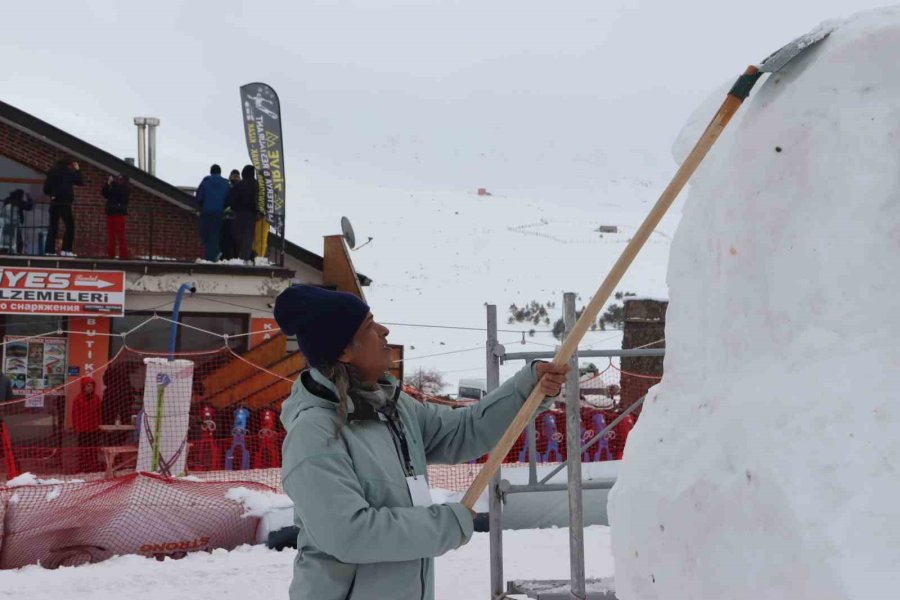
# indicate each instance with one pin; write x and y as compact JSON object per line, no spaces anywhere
{"x":422,"y":575}
{"x":352,"y":585}
{"x":398,"y":436}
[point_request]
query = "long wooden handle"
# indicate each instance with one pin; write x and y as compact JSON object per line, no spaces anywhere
{"x":701,"y":148}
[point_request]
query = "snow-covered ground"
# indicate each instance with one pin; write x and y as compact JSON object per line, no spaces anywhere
{"x":256,"y":572}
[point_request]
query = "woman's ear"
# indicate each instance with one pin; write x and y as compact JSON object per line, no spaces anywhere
{"x":347,"y":355}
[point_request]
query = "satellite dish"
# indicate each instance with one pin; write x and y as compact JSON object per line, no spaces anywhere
{"x":347,"y":228}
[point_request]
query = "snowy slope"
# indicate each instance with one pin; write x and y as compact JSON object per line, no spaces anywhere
{"x":438,"y":256}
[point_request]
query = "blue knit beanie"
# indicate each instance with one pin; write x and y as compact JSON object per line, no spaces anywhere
{"x":323,"y":321}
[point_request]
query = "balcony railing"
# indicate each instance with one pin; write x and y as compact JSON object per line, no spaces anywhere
{"x":25,"y":234}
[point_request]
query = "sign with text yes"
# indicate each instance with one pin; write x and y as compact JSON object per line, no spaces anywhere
{"x":31,"y":291}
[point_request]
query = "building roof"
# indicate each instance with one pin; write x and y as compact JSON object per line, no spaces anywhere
{"x":86,"y":152}
{"x":89,"y":153}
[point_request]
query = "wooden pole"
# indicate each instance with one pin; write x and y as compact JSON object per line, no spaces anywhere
{"x":592,"y":310}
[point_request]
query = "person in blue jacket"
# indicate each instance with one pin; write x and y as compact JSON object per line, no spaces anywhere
{"x":355,"y":455}
{"x":211,"y":195}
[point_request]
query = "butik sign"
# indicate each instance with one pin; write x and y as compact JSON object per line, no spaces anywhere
{"x":25,"y":291}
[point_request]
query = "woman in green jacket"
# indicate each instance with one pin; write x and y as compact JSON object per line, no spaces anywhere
{"x":356,"y":450}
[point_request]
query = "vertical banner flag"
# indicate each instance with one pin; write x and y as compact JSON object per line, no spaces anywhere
{"x":262,"y":128}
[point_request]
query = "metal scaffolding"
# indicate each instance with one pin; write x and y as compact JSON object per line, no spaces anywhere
{"x":577,"y":587}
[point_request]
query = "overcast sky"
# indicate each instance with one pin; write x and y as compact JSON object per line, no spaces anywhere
{"x":510,"y":94}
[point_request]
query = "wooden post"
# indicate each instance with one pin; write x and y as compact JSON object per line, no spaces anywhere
{"x":645,"y":327}
{"x":338,"y":270}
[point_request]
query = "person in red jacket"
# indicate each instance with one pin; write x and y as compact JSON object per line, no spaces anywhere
{"x":86,"y":413}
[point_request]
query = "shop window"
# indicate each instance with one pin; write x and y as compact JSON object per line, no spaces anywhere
{"x":34,"y":358}
{"x":33,"y":363}
{"x":192,"y":340}
{"x":151,"y":337}
{"x":154,"y":336}
{"x":28,"y":325}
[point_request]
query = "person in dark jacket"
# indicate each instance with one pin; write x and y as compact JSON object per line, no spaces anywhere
{"x":243,"y":201}
{"x":59,"y":185}
{"x":119,"y":394}
{"x":16,"y":204}
{"x":211,"y":195}
{"x":6,"y":393}
{"x":226,"y":240}
{"x":116,"y":191}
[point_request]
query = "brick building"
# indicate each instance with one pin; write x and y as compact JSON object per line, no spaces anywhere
{"x":164,"y":244}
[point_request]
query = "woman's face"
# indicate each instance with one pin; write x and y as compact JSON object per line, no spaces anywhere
{"x":368,"y":351}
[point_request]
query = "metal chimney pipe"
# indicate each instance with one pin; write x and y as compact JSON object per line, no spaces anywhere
{"x":152,"y":124}
{"x":141,"y":124}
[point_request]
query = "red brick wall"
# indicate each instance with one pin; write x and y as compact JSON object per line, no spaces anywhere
{"x":174,"y":230}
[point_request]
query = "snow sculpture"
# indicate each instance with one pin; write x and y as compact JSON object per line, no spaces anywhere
{"x":765,"y":463}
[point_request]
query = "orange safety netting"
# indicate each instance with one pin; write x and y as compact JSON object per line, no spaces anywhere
{"x":71,"y":523}
{"x":218,"y":412}
{"x":212,"y":417}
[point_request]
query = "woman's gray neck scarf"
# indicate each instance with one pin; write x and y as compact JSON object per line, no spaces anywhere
{"x":380,"y":397}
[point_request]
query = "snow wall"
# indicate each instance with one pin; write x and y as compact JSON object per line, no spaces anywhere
{"x":765,"y":463}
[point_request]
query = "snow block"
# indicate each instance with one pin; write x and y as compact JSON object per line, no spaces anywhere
{"x":764,"y":464}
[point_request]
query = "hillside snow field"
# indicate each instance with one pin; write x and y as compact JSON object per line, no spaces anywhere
{"x":437,"y":258}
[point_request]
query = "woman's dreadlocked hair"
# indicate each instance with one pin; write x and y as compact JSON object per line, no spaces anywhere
{"x":346,"y":379}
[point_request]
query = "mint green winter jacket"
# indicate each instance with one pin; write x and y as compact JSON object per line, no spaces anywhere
{"x":360,"y":536}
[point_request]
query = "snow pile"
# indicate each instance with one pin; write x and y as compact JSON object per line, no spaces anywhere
{"x":26,"y":479}
{"x":23,"y":480}
{"x":257,"y":503}
{"x":763,"y":465}
{"x":275,"y":511}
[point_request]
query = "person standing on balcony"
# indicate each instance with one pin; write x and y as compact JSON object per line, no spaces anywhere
{"x":226,"y":240}
{"x":116,"y":191}
{"x":211,"y":195}
{"x":261,"y":236}
{"x":59,"y":186}
{"x":243,"y":201}
{"x":15,"y":205}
